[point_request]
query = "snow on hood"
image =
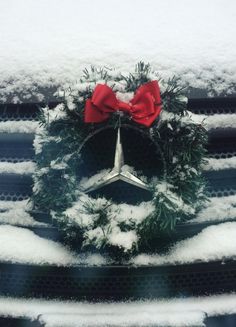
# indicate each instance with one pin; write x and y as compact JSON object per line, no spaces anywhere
{"x":189,"y":311}
{"x":46,"y":44}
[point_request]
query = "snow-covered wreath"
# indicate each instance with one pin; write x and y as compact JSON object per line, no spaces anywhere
{"x":94,"y":103}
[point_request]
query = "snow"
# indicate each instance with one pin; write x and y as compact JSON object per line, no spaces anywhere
{"x":123,"y":239}
{"x":213,"y":243}
{"x":18,"y":217}
{"x":23,"y":246}
{"x":136,"y":212}
{"x":122,"y":213}
{"x":23,"y":168}
{"x":119,"y":212}
{"x":218,"y":209}
{"x":40,"y":137}
{"x":57,"y":113}
{"x":215,"y":121}
{"x":6,"y":205}
{"x":58,"y":166}
{"x":47,"y":44}
{"x":164,"y":189}
{"x":20,"y":245}
{"x":220,"y":121}
{"x":219,"y":164}
{"x":176,"y":319}
{"x":24,"y":126}
{"x":183,"y":312}
{"x":76,"y":213}
{"x":16,"y":213}
{"x":209,"y":122}
{"x":124,"y":96}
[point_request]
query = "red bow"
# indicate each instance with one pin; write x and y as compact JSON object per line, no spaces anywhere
{"x":144,"y":108}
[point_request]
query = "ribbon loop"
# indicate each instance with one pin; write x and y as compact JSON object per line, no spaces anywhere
{"x":144,"y":108}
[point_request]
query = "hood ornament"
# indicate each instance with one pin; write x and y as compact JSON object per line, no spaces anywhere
{"x":118,"y":173}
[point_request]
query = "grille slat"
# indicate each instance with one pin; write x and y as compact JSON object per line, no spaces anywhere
{"x":117,"y":282}
{"x":211,"y":106}
{"x":17,"y":187}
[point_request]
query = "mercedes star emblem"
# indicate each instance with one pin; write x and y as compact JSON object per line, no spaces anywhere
{"x":118,"y":173}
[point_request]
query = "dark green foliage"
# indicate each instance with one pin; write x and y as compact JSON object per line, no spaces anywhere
{"x":177,"y":195}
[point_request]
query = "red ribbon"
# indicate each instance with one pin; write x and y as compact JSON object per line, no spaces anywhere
{"x":144,"y":108}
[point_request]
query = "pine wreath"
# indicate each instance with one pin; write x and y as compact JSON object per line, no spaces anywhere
{"x":99,"y":223}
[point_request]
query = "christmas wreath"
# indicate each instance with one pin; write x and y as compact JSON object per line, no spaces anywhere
{"x":103,"y":99}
